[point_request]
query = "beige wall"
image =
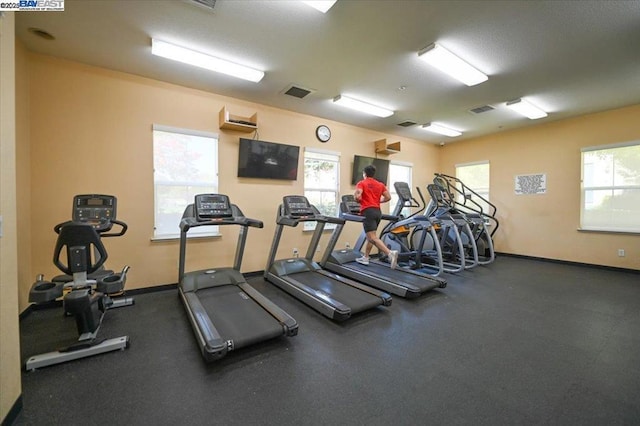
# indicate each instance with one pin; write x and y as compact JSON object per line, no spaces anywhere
{"x":90,"y":132}
{"x":23,"y":171}
{"x":81,"y":129}
{"x":546,"y":225}
{"x":10,"y":386}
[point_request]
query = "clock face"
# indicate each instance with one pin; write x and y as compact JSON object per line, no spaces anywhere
{"x":323,"y":133}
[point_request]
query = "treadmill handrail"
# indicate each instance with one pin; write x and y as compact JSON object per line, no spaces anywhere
{"x":191,"y":222}
{"x":294,"y":221}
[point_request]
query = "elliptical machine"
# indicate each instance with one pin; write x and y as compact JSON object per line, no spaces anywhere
{"x":456,"y":238}
{"x":469,"y":203}
{"x":425,"y":252}
{"x":86,"y":295}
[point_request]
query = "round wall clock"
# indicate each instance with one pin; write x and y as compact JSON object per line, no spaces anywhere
{"x":323,"y":133}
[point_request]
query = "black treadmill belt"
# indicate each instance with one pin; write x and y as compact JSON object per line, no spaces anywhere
{"x":237,"y":317}
{"x":394,"y":275}
{"x":352,"y":297}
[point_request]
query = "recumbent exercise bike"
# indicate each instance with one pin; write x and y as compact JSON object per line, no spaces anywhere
{"x":86,"y":287}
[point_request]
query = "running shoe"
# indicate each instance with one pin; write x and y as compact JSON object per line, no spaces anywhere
{"x":363,"y":260}
{"x":393,"y":258}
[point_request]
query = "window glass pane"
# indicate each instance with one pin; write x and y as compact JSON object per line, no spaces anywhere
{"x":325,"y":201}
{"x":183,"y":158}
{"x":476,"y":177}
{"x":612,"y":209}
{"x":612,"y":167}
{"x":611,"y":189}
{"x":320,"y":174}
{"x":171,"y":201}
{"x":399,"y":173}
{"x":321,"y":183}
{"x":184,"y":165}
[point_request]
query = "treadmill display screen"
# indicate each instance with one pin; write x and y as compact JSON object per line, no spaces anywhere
{"x":297,"y":206}
{"x":212,"y":206}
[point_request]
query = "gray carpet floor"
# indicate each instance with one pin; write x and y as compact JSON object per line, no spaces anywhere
{"x":518,"y":342}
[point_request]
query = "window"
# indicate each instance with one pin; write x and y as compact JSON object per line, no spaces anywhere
{"x":321,"y":182}
{"x":399,"y":172}
{"x":185,"y":163}
{"x":611,"y":188}
{"x":476,"y":177}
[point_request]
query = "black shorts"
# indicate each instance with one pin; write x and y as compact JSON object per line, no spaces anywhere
{"x":372,"y":217}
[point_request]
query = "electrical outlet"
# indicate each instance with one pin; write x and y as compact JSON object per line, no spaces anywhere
{"x":347,"y":246}
{"x":318,"y":249}
{"x":621,"y":253}
{"x":295,"y":252}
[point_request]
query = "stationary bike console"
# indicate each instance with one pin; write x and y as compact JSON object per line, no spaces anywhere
{"x":97,"y":210}
{"x":93,"y":208}
{"x":212,"y":206}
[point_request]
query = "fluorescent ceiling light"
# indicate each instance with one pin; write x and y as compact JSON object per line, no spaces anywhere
{"x":321,"y":5}
{"x":191,"y":57}
{"x":362,"y":106}
{"x":440,"y":58}
{"x":525,"y":108}
{"x":441,"y":130}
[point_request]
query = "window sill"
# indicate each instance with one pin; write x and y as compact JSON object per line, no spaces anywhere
{"x":608,"y":231}
{"x":327,"y":228}
{"x":176,"y":237}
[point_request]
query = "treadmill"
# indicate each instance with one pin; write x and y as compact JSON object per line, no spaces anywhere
{"x":400,"y":282}
{"x":333,"y":295}
{"x":226,"y":313}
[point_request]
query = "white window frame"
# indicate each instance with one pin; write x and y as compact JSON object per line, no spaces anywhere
{"x":315,"y":153}
{"x":204,"y":231}
{"x":484,"y":192}
{"x":614,"y":187}
{"x":392,"y":190}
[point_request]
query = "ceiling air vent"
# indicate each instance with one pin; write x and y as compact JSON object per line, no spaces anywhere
{"x":407,"y":123}
{"x":209,"y":4}
{"x":297,"y":91}
{"x":481,"y":109}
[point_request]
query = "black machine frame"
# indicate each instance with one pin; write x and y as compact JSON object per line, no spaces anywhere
{"x":225,"y":312}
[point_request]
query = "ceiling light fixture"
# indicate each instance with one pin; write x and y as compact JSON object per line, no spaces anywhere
{"x":321,"y":5}
{"x":440,"y":58}
{"x":202,"y":60}
{"x":362,"y":106}
{"x":527,"y":109}
{"x":441,"y":130}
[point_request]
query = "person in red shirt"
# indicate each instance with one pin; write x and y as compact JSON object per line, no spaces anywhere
{"x":370,"y":193}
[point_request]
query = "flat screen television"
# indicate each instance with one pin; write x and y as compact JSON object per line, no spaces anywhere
{"x":267,"y":160}
{"x":360,"y":162}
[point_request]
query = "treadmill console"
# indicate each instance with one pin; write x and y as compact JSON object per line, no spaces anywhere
{"x":403,"y":191}
{"x":94,"y":209}
{"x":297,"y":206}
{"x":350,"y":204}
{"x":212,"y":206}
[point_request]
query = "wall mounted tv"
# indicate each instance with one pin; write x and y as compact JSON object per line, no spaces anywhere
{"x":267,"y":160}
{"x":360,"y":162}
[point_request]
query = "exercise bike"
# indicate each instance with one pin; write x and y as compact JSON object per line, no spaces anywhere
{"x":80,"y":254}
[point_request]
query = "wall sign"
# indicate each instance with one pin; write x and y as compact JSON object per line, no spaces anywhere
{"x":531,"y":184}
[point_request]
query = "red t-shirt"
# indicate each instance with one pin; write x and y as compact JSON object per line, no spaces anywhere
{"x":371,"y":193}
